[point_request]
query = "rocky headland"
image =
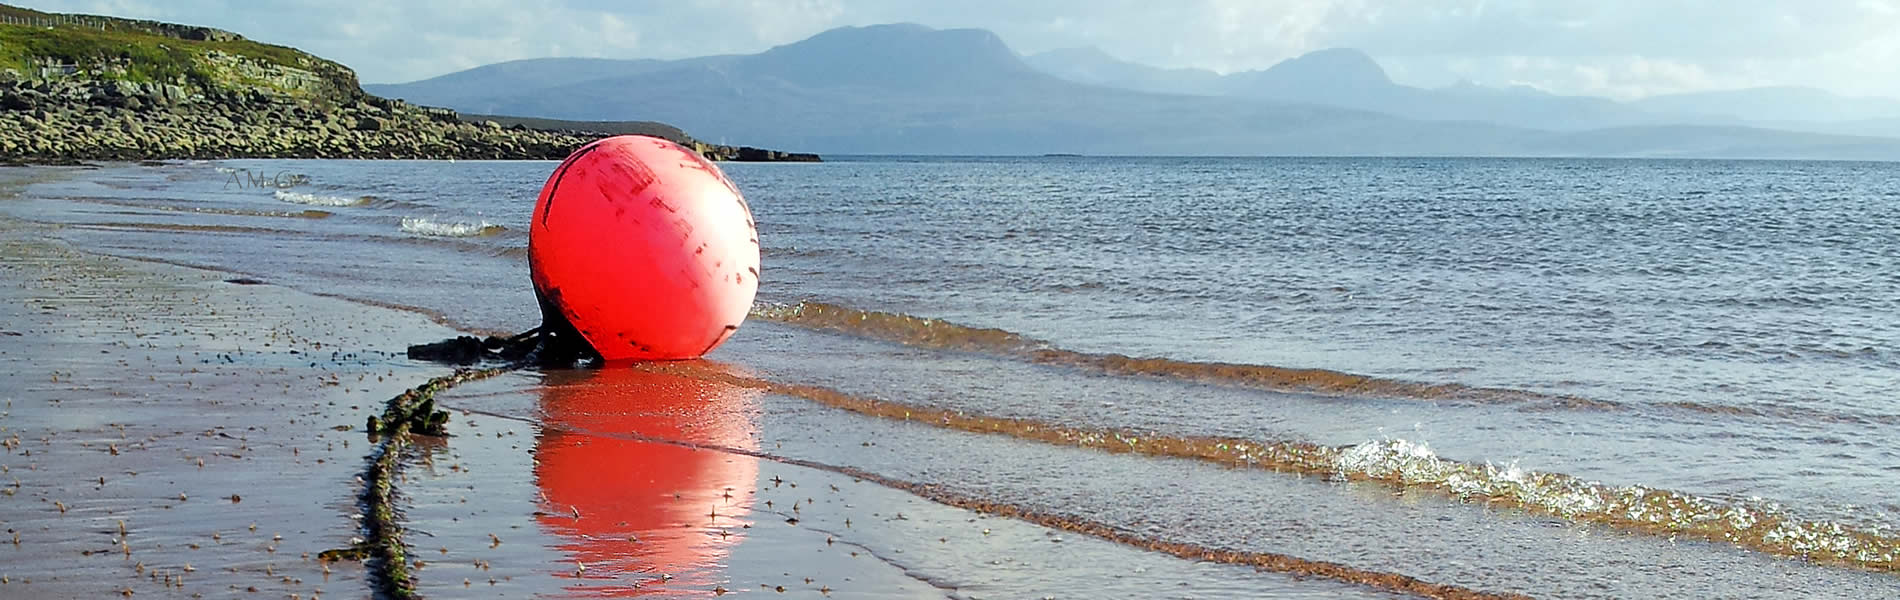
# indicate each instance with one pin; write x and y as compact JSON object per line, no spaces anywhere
{"x":80,"y":87}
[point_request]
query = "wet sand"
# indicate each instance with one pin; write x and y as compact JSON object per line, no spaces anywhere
{"x":166,"y":430}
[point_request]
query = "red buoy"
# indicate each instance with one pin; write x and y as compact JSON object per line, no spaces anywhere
{"x":645,"y":248}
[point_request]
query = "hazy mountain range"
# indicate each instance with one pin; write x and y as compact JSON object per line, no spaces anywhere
{"x":1347,"y":77}
{"x":912,"y":89}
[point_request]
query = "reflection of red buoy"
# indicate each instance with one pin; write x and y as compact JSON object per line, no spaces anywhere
{"x":631,"y":509}
{"x":646,"y":249}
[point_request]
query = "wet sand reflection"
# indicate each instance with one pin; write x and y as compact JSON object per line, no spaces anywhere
{"x":638,"y":515}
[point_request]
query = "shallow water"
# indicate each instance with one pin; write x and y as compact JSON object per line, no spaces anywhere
{"x":1722,"y":330}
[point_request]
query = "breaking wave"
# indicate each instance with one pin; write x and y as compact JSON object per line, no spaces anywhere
{"x":433,"y":228}
{"x":1751,"y":523}
{"x":317,"y":199}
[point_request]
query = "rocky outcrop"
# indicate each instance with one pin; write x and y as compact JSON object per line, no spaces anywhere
{"x":97,"y":88}
{"x":62,"y":121}
{"x":750,"y":154}
{"x":65,"y":121}
{"x":649,"y":128}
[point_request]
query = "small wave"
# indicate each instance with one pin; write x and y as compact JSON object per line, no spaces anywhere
{"x":423,"y":226}
{"x":187,"y":227}
{"x":205,"y":210}
{"x":301,"y":214}
{"x":939,"y":334}
{"x":392,"y":203}
{"x":945,"y":335}
{"x":796,"y":252}
{"x":1752,"y":523}
{"x":900,"y":328}
{"x":318,"y":200}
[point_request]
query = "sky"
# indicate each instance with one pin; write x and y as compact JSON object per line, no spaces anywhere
{"x":1618,"y":48}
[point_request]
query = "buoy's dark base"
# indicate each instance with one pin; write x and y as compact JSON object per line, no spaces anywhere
{"x":561,"y":343}
{"x":554,"y":344}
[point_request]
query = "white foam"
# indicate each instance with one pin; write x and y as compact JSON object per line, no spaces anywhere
{"x":316,"y":200}
{"x":428,"y":227}
{"x":1410,"y":462}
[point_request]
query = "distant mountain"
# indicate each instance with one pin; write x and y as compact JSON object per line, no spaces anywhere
{"x":1323,"y":75}
{"x":1349,"y":78}
{"x":903,"y":57}
{"x":1866,"y":127}
{"x":914,"y":89}
{"x":1768,"y":104}
{"x":470,"y":87}
{"x":1093,"y":66}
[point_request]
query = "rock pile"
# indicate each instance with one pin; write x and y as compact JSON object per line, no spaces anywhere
{"x":62,"y":121}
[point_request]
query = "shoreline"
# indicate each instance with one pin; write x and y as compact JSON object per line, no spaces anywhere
{"x":204,"y":438}
{"x":152,"y":369}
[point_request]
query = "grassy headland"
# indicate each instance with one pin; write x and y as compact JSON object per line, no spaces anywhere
{"x":83,"y":87}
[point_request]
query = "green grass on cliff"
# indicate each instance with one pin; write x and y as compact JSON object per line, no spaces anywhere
{"x":144,"y":56}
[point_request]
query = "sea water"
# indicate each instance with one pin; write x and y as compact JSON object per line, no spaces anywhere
{"x":1563,"y":333}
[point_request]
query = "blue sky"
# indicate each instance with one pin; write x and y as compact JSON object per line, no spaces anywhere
{"x":1617,"y":48}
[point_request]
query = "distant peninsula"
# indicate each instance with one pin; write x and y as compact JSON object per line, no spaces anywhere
{"x":82,"y":87}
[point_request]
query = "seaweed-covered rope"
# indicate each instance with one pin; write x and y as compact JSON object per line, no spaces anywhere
{"x":414,"y":412}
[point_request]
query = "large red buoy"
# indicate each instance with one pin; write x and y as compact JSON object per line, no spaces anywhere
{"x":645,"y":248}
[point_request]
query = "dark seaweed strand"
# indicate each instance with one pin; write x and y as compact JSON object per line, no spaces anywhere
{"x":382,"y":547}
